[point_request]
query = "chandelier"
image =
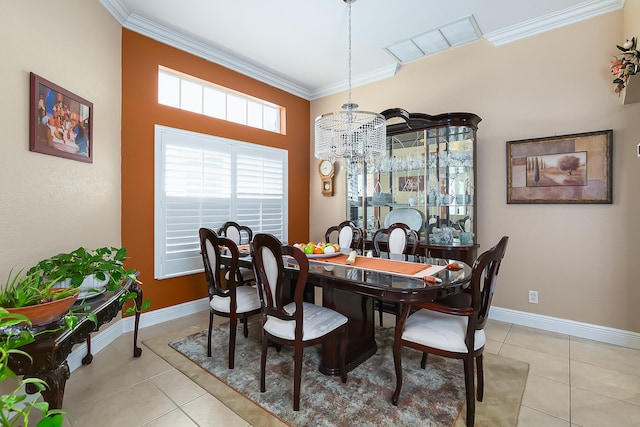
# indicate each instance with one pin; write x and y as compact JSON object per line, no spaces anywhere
{"x":350,"y":134}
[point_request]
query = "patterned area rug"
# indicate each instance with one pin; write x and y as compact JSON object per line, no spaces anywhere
{"x":430,"y":397}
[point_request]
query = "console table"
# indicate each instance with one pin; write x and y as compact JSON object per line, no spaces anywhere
{"x":51,"y":349}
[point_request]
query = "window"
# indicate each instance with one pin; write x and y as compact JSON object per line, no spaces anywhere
{"x":204,"y":181}
{"x":189,"y":93}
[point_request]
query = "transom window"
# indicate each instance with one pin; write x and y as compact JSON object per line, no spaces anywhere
{"x":179,"y":90}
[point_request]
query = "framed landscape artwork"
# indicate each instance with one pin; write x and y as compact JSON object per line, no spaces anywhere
{"x":60,"y":123}
{"x":561,"y":169}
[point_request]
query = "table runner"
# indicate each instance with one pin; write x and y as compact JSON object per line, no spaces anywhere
{"x":385,"y":265}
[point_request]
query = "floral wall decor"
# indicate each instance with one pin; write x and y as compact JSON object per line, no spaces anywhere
{"x":625,"y":64}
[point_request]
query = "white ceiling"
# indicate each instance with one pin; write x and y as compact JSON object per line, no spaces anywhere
{"x":301,"y":46}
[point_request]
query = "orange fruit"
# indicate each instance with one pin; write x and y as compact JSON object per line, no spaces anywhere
{"x":318,"y":250}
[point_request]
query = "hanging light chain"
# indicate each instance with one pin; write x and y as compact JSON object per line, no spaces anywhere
{"x":354,"y":135}
{"x":350,"y":105}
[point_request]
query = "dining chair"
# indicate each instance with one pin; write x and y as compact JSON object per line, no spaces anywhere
{"x":453,"y":332}
{"x":401,"y":241}
{"x":350,"y":236}
{"x":241,"y":235}
{"x":234,"y":302}
{"x":297,"y":323}
{"x":399,"y":238}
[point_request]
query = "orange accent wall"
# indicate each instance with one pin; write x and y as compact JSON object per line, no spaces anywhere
{"x":141,"y":57}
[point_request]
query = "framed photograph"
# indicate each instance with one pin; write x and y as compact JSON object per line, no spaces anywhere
{"x":60,"y":123}
{"x":411,"y":183}
{"x":561,"y":169}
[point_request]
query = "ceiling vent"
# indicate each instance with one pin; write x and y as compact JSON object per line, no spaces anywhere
{"x":448,"y":36}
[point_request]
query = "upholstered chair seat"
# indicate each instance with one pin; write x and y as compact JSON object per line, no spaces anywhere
{"x":440,"y":330}
{"x":246,"y":300}
{"x":316,"y":322}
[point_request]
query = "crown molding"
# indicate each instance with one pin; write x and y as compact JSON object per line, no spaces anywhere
{"x":117,"y":9}
{"x":175,"y":39}
{"x":552,"y":21}
{"x":359,"y":80}
{"x":172,"y":38}
{"x":190,"y":45}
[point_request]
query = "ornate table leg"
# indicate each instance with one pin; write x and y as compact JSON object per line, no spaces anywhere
{"x":56,"y":380}
{"x":137,"y":351}
{"x":89,"y":357}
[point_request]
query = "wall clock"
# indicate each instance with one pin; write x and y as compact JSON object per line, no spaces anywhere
{"x":326,"y":175}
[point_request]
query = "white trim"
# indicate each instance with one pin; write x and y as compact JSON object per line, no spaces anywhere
{"x":554,"y":20}
{"x":538,"y":321}
{"x":98,"y":342}
{"x":569,"y":327}
{"x":121,"y":326}
{"x":359,"y":80}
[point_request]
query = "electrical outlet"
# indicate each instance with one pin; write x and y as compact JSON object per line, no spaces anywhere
{"x":533,"y":297}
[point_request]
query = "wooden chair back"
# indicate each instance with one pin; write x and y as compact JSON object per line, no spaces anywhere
{"x":400,"y":240}
{"x":268,"y":260}
{"x":240,"y":234}
{"x":210,"y":246}
{"x":350,"y":236}
{"x":484,"y":277}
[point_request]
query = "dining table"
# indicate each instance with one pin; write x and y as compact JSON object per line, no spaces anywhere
{"x":351,"y":289}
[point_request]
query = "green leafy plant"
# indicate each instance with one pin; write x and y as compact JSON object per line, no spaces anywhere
{"x":14,"y":407}
{"x":107,"y":263}
{"x":32,"y":289}
{"x":37,"y":286}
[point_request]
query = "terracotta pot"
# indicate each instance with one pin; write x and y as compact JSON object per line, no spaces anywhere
{"x":48,"y":312}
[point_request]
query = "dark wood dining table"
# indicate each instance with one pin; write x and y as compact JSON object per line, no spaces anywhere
{"x":351,"y":291}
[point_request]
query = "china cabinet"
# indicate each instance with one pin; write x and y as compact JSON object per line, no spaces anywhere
{"x":427,"y":181}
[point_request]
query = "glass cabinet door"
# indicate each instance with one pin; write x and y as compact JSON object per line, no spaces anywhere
{"x":427,"y":180}
{"x":451,"y":183}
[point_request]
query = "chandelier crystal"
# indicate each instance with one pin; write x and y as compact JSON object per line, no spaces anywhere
{"x":350,"y":134}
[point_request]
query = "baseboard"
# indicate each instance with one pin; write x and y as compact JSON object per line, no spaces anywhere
{"x":538,"y":321}
{"x":569,"y":327}
{"x":105,"y":337}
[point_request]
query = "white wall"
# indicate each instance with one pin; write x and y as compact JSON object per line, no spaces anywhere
{"x":50,"y":204}
{"x":582,"y":259}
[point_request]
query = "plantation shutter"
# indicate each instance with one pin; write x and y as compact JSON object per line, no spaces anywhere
{"x":204,"y":181}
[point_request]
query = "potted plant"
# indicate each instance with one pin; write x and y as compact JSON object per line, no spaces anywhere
{"x":36,"y":297}
{"x":87,"y":269}
{"x":14,"y":407}
{"x":38,"y":289}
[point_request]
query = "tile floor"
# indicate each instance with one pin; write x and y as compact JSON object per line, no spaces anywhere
{"x":572,"y":382}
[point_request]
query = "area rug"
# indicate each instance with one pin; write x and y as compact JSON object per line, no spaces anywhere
{"x":430,"y":397}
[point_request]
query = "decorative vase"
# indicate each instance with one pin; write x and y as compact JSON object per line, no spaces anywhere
{"x":48,"y":312}
{"x":90,"y":286}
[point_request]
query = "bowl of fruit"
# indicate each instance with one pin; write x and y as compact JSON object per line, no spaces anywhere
{"x":319,"y":250}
